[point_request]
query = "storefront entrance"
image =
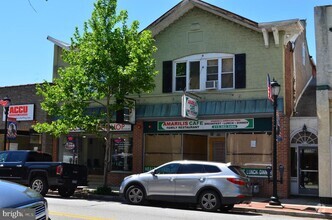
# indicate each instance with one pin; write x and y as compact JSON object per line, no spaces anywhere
{"x":308,"y":170}
{"x":304,"y":164}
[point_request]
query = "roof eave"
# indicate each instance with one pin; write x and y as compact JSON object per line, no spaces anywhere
{"x":59,"y":43}
{"x":184,"y":6}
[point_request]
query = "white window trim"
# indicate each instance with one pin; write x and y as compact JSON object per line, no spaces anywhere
{"x":203,"y":66}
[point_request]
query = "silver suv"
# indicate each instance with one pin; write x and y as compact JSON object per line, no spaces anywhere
{"x":212,"y":185}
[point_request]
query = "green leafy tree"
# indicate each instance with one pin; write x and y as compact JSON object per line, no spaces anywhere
{"x":106,"y":63}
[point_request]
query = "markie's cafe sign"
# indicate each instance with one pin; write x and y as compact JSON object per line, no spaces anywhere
{"x":20,"y":112}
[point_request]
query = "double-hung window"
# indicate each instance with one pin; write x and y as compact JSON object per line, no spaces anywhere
{"x":204,"y":71}
{"x":181,"y":76}
{"x":227,"y":73}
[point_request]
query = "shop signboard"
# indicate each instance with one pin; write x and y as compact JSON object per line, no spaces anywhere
{"x":255,"y":172}
{"x":214,"y":124}
{"x":21,"y":112}
{"x":70,"y":145}
{"x":189,"y":107}
{"x":120,"y":127}
{"x":114,"y":127}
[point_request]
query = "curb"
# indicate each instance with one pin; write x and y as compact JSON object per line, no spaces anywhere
{"x":289,"y":213}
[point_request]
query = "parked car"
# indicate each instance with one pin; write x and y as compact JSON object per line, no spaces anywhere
{"x":212,"y":185}
{"x":15,"y":196}
{"x":35,"y":169}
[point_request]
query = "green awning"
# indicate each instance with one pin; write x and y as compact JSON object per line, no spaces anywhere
{"x":209,"y":108}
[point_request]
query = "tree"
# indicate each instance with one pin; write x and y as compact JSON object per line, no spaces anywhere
{"x":106,"y":63}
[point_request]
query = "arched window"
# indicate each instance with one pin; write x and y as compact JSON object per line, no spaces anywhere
{"x":304,"y":137}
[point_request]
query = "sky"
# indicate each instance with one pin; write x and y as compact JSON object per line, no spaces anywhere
{"x":26,"y":56}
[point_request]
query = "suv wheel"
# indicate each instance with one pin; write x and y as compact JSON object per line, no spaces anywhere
{"x":209,"y":201}
{"x":135,"y":195}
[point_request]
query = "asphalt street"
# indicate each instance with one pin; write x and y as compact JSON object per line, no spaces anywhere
{"x":78,"y":209}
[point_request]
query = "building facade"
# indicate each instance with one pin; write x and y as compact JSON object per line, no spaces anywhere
{"x":323,"y":31}
{"x":217,"y":63}
{"x":24,"y":112}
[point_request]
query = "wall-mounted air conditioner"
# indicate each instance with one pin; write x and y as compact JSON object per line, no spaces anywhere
{"x":213,"y":84}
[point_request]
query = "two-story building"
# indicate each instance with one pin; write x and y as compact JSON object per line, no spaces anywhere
{"x":217,"y":62}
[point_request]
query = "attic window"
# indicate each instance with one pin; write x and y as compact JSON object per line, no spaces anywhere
{"x":195,"y":26}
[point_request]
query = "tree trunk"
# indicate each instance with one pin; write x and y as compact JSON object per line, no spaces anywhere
{"x":107,"y":158}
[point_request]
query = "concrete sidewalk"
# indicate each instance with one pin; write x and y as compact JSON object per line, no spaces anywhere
{"x":296,"y":206}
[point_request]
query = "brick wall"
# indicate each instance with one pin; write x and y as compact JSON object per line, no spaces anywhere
{"x":26,"y":94}
{"x":289,"y":80}
{"x":283,"y":152}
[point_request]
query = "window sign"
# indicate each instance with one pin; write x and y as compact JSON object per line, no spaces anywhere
{"x":122,"y":153}
{"x":215,"y":124}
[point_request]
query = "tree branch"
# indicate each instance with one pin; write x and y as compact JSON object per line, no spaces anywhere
{"x":32,"y":6}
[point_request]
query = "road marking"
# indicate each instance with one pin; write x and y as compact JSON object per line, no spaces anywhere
{"x":77,"y":216}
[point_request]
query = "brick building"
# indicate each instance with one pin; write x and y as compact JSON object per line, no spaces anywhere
{"x":24,"y":112}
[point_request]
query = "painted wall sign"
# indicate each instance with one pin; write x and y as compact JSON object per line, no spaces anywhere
{"x":20,"y":112}
{"x":216,"y":124}
{"x":189,"y":107}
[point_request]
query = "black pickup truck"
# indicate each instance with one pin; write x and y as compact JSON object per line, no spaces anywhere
{"x":36,"y":170}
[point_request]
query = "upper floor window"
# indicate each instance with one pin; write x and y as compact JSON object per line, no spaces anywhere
{"x":202,"y":72}
{"x":206,"y":71}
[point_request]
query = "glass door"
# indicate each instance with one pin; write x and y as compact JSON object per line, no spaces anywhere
{"x":308,"y":170}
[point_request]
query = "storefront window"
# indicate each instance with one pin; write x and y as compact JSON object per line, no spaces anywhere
{"x":164,"y":148}
{"x":249,"y":149}
{"x":122,"y":153}
{"x":160,"y":149}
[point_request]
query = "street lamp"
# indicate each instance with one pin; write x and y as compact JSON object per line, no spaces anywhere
{"x":5,"y":102}
{"x":275,"y":89}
